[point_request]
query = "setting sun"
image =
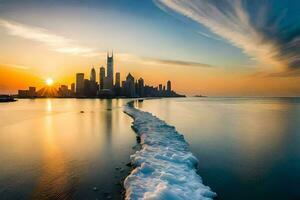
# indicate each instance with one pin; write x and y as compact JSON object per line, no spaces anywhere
{"x":49,"y":81}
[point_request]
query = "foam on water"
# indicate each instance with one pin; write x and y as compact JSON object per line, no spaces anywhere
{"x":165,"y":168}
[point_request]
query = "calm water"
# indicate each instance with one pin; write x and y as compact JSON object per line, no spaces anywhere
{"x":249,"y":148}
{"x":50,"y":150}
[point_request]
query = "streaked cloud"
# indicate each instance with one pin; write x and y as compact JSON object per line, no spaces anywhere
{"x":289,"y":73}
{"x":56,"y":42}
{"x":64,"y":45}
{"x":207,"y":35}
{"x":152,"y":61}
{"x":15,"y":66}
{"x":232,"y":20}
{"x":159,"y":62}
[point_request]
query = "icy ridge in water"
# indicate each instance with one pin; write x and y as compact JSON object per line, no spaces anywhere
{"x":165,"y":168}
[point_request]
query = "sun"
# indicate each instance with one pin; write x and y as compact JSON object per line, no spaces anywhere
{"x":49,"y":81}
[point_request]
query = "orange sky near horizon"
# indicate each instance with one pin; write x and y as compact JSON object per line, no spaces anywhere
{"x":205,"y":81}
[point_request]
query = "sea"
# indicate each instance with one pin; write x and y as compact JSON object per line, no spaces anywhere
{"x":64,"y":149}
{"x":248,"y":148}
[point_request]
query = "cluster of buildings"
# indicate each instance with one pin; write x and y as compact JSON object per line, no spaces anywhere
{"x":30,"y":93}
{"x":109,"y":86}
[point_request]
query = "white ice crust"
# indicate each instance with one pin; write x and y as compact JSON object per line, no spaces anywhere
{"x":165,"y":168}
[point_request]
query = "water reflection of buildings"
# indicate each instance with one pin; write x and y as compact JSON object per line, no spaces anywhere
{"x":105,"y":88}
{"x":108,"y":119}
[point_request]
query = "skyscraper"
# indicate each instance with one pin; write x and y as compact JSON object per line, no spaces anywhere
{"x":107,"y":83}
{"x":73,"y":88}
{"x":93,"y":75}
{"x":110,"y":69}
{"x":141,"y":87}
{"x":129,"y":86}
{"x":118,"y":80}
{"x":86,"y":88}
{"x":63,"y":91}
{"x":93,"y":84}
{"x":160,"y":88}
{"x":79,"y":84}
{"x":169,"y":89}
{"x":101,"y":77}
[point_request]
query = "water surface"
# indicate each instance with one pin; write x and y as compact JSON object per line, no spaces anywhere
{"x":248,"y":148}
{"x":49,"y":149}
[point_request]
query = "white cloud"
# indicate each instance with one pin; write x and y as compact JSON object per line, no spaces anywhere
{"x":55,"y":42}
{"x":231,"y":22}
{"x":207,"y":35}
{"x":64,"y":45}
{"x":159,"y":62}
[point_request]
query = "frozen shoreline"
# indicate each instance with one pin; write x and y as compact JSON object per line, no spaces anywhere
{"x":164,"y":167}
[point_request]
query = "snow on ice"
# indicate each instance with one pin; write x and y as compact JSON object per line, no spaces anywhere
{"x":165,"y":169}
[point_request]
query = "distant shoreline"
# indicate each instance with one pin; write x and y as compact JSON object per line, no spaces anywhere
{"x":7,"y":98}
{"x":183,"y":96}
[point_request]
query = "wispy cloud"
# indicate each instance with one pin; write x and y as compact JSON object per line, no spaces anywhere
{"x":208,"y":35}
{"x":159,"y":62}
{"x":289,"y":73}
{"x":15,"y":66}
{"x":231,"y":20}
{"x":56,"y":42}
{"x":153,"y":61}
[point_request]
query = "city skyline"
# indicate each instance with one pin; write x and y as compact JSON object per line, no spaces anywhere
{"x":226,"y":52}
{"x":86,"y":86}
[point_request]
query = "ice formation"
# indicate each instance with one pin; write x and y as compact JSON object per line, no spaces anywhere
{"x":165,"y":168}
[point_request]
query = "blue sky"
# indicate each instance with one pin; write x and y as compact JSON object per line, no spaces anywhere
{"x":165,"y":35}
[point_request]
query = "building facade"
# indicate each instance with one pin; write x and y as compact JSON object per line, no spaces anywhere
{"x":169,"y":88}
{"x":141,"y":86}
{"x":129,"y":86}
{"x":110,"y":69}
{"x":93,"y":75}
{"x":107,"y":83}
{"x":101,"y":77}
{"x":73,"y":88}
{"x":79,"y":84}
{"x":93,"y":84}
{"x":118,"y":80}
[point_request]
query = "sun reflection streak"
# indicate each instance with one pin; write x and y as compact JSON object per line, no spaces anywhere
{"x":49,"y":105}
{"x":54,"y":167}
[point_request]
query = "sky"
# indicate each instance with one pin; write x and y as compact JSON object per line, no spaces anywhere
{"x":209,"y":47}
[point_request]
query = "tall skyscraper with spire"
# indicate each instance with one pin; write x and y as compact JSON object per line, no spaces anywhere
{"x":110,"y":69}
